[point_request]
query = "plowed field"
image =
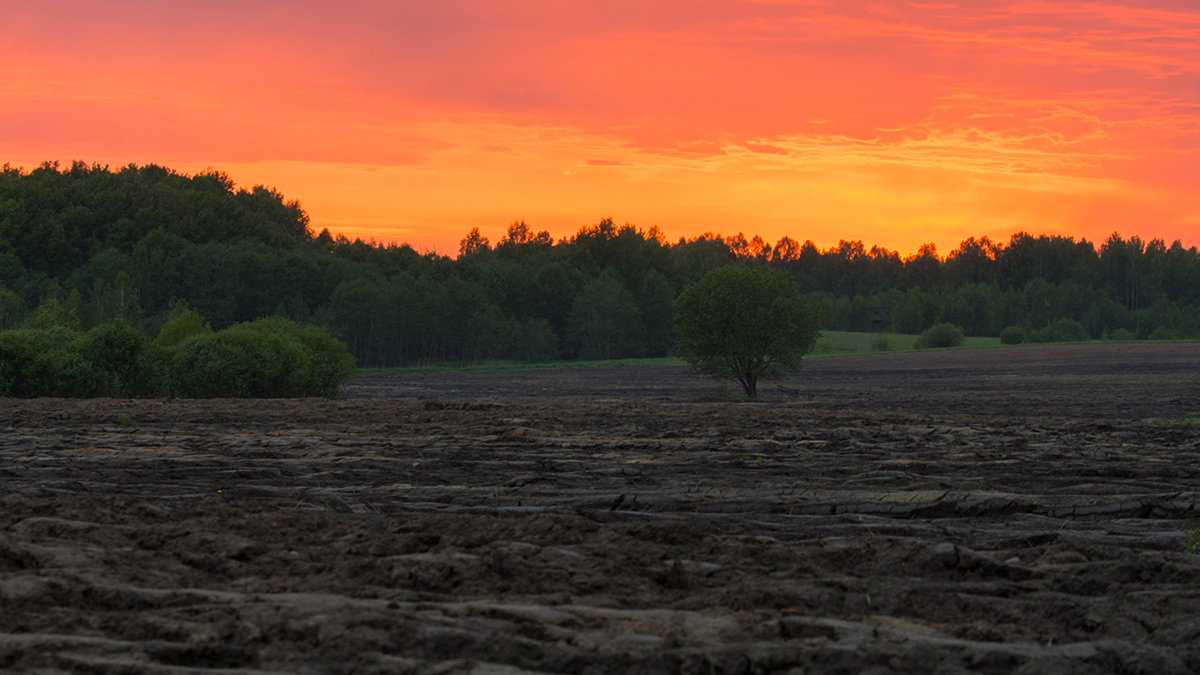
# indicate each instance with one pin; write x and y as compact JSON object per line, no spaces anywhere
{"x":1012,"y":510}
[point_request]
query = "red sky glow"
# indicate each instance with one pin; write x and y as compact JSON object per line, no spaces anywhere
{"x":897,"y":123}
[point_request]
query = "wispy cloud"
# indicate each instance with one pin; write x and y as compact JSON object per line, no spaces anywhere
{"x":691,"y":110}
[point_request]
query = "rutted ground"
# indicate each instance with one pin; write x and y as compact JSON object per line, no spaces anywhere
{"x":1098,"y":380}
{"x":570,"y":536}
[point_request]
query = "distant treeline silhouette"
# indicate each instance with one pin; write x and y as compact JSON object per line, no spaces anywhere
{"x":83,"y":245}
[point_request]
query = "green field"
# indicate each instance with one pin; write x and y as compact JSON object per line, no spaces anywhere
{"x":842,"y":343}
{"x":521,"y":365}
{"x":832,"y":343}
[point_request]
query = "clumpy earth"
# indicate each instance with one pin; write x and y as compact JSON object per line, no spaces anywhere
{"x":1015,"y":510}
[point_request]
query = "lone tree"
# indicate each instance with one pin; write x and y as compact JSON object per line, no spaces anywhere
{"x":744,"y":322}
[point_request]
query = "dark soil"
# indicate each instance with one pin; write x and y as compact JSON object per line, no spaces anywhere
{"x":1016,"y":510}
{"x":1124,"y":381}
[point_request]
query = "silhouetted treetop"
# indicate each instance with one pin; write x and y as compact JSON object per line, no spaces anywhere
{"x":56,"y":219}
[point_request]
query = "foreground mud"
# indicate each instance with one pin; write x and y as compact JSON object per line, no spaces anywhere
{"x":567,"y":536}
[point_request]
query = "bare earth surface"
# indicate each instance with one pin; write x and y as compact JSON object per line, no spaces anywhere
{"x":1013,"y":510}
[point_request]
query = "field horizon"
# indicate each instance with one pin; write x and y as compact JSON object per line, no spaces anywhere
{"x":832,"y":344}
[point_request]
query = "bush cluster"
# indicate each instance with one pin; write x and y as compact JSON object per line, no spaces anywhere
{"x":940,"y":336}
{"x":270,"y":357}
{"x":1063,"y":330}
{"x":1121,"y":335}
{"x":1163,"y":333}
{"x":1013,"y":335}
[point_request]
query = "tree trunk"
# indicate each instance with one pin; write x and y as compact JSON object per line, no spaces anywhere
{"x":750,"y":384}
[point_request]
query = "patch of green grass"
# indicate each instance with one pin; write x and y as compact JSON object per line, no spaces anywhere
{"x":521,"y":365}
{"x":844,"y":343}
{"x":832,"y":343}
{"x":1186,"y":421}
{"x":881,"y":343}
{"x":1193,"y":545}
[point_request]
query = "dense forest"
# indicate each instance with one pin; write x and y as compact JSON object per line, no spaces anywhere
{"x":82,"y":245}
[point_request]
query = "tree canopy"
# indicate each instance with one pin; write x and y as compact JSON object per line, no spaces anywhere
{"x":85,"y":244}
{"x":744,"y":322}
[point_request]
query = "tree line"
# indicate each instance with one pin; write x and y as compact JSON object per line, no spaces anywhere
{"x":86,"y":244}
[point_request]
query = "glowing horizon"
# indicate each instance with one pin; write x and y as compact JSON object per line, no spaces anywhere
{"x":893,"y":123}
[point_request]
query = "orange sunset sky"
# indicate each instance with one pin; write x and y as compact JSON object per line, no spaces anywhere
{"x":897,"y":123}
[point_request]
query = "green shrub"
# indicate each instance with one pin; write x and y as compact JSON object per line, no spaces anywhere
{"x":44,"y":362}
{"x":55,"y":338}
{"x":331,"y":363}
{"x":63,"y":373}
{"x":940,"y":336}
{"x":266,"y":358}
{"x":118,"y":352}
{"x":16,"y":362}
{"x":238,"y":363}
{"x":187,"y":322}
{"x":1163,"y":333}
{"x":55,"y":369}
{"x":1013,"y":335}
{"x":1063,"y":330}
{"x":1121,"y":334}
{"x":880,"y":343}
